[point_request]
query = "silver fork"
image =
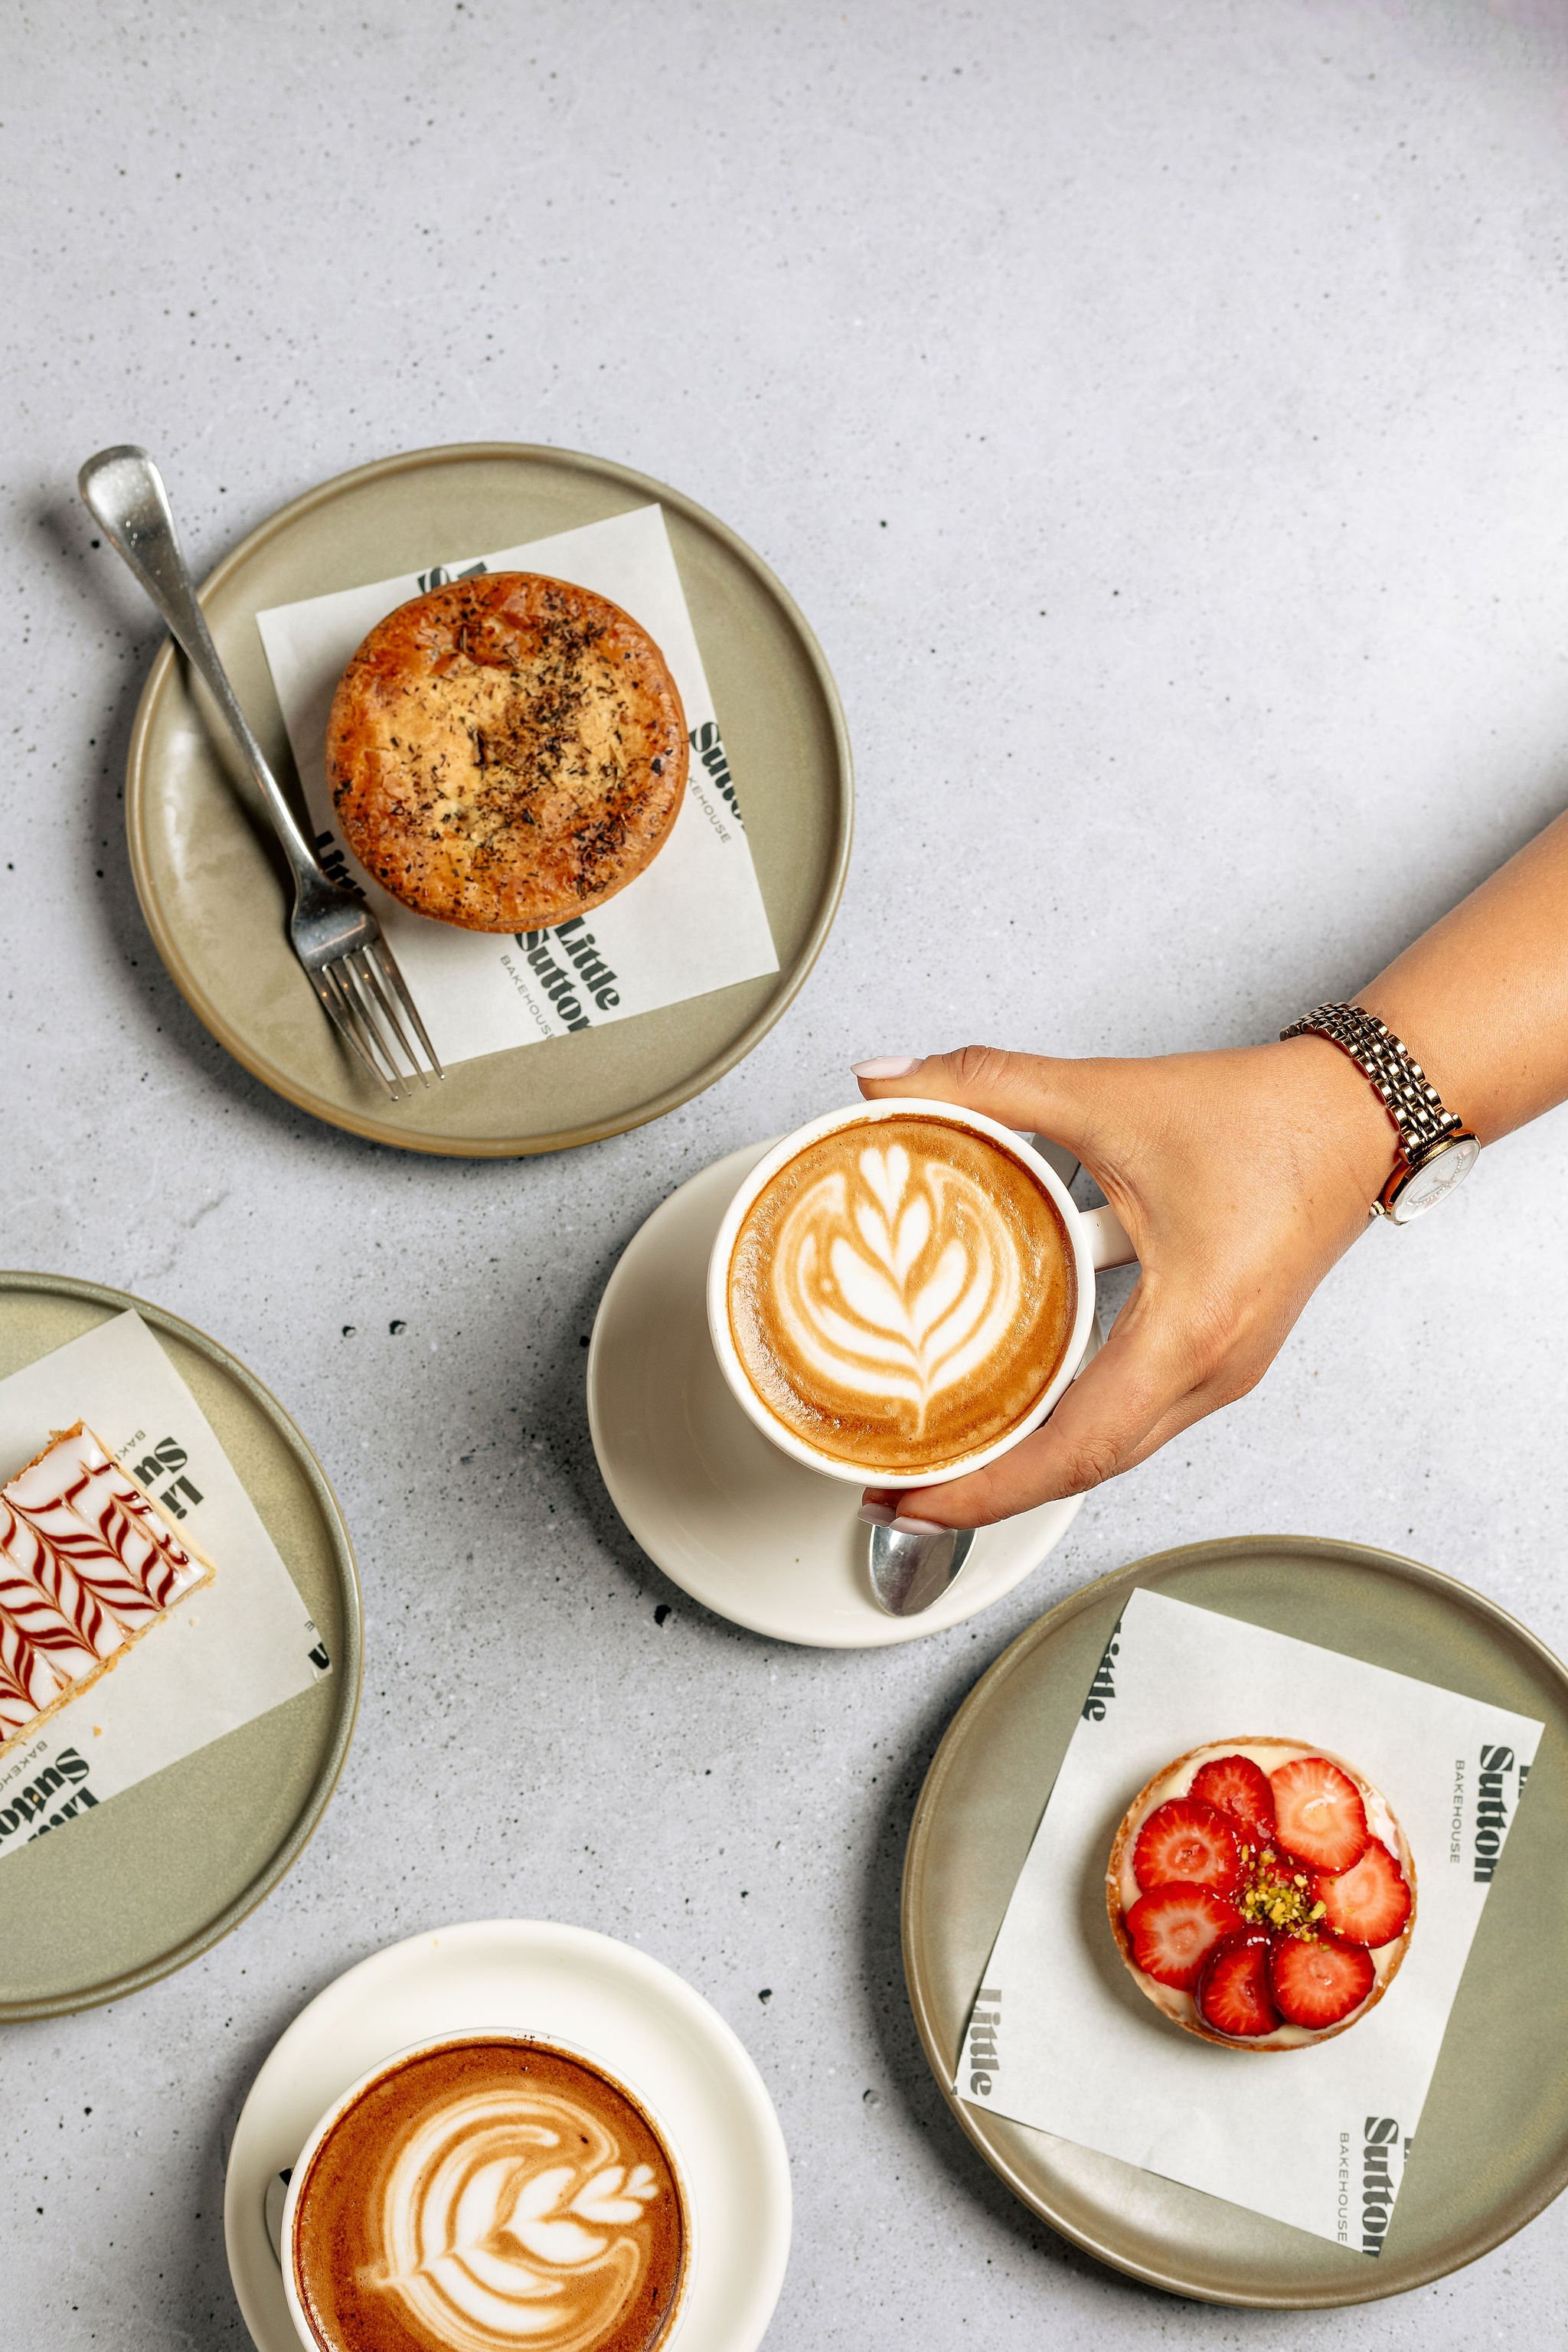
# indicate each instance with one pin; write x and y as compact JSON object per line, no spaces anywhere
{"x":335,"y":936}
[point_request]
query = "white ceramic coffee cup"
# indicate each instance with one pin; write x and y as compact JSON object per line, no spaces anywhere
{"x":1097,"y":1237}
{"x":308,"y":2336}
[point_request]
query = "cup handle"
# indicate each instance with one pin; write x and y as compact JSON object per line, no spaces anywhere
{"x":1108,"y":1239}
{"x":1056,"y":1155}
{"x":272,"y":2210}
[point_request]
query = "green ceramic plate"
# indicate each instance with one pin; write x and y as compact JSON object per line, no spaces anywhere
{"x":155,"y":1876}
{"x":1492,"y":2146}
{"x":211,"y":883}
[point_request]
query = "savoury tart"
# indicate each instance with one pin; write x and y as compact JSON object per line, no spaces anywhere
{"x":507,"y":751}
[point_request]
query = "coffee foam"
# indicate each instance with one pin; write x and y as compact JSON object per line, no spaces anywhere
{"x":900,"y":1294}
{"x":491,"y":2197}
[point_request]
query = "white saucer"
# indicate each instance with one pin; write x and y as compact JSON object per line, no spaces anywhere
{"x":733,"y":1521}
{"x":603,"y":1997}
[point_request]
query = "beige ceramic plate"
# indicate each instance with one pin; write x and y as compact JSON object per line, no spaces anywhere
{"x":155,"y":1876}
{"x":1492,"y":2146}
{"x":212,"y":885}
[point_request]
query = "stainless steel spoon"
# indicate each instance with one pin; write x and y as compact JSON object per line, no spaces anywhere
{"x":908,"y":1572}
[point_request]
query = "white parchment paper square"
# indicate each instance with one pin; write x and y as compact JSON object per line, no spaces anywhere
{"x":230,"y":1651}
{"x":693,"y":921}
{"x":1061,"y":2038}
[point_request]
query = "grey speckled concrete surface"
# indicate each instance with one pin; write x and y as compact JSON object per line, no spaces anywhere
{"x":1158,"y":413}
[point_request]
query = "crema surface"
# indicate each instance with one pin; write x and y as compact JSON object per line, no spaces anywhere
{"x":901,"y":1293}
{"x":493,"y":2196}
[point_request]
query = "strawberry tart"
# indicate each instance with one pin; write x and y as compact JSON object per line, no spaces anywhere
{"x":1261,"y":1892}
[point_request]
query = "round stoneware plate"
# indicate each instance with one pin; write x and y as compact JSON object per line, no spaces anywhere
{"x":739,"y":1525}
{"x":149,"y":1880}
{"x":211,"y":880}
{"x":1492,"y":2148}
{"x":604,"y":1997}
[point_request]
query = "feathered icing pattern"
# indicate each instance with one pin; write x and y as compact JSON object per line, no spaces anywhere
{"x":87,"y":1508}
{"x":133,"y":1530}
{"x":41,"y":1590}
{"x":86,"y":1564}
{"x":28,"y":1683}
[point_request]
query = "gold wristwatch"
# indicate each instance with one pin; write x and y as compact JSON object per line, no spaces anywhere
{"x":1436,"y":1149}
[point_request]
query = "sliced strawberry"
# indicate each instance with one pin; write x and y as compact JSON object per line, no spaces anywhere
{"x":1319,"y":1814}
{"x":1317,"y":1984}
{"x":1174,"y":1930}
{"x":1190,"y":1842}
{"x":1240,"y":1790}
{"x":1233,"y":1993}
{"x":1370,"y":1902}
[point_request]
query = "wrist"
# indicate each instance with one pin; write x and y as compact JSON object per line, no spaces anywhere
{"x":1435,"y":1150}
{"x":1335,"y":1100}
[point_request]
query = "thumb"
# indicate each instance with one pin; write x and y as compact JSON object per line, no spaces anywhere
{"x":1034,"y":1092}
{"x":1140,"y":1388}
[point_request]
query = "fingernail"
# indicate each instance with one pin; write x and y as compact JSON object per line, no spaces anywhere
{"x":877,"y":1515}
{"x":886,"y":1065}
{"x":903,"y":1527}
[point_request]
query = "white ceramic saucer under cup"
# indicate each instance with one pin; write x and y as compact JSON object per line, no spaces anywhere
{"x":729,"y":1518}
{"x":643,"y":2023}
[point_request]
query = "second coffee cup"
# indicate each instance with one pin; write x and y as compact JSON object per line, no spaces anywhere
{"x":901,"y":1291}
{"x":481,"y":2191}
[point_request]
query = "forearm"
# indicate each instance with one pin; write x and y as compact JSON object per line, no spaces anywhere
{"x":1481,"y":999}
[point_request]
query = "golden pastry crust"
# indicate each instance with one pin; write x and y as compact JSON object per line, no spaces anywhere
{"x":1174,"y":1779}
{"x":507,"y":751}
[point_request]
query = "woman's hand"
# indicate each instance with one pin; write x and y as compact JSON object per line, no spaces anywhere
{"x":1240,"y":1177}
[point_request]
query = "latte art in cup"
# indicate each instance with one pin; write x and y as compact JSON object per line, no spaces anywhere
{"x":490,"y":2196}
{"x":900,"y":1294}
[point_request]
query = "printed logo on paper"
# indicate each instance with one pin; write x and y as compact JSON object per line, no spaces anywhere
{"x":439,"y":576}
{"x":165,"y":1459}
{"x":984,"y":2025}
{"x":1102,"y":1689}
{"x":708,"y":744}
{"x":581,"y":979}
{"x":55,"y":1794}
{"x":1378,"y":2186}
{"x":1498,"y":1781}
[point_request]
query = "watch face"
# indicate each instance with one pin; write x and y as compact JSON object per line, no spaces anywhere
{"x":1435,"y":1178}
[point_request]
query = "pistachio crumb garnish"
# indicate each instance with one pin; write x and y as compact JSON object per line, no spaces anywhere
{"x":1276,"y":1896}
